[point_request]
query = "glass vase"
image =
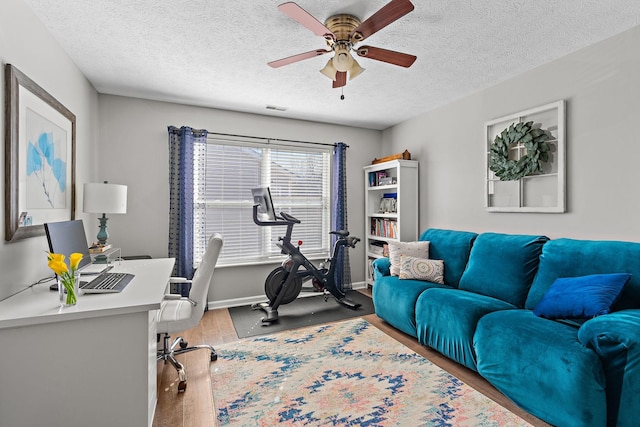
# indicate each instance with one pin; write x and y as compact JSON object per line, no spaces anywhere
{"x":69,"y":289}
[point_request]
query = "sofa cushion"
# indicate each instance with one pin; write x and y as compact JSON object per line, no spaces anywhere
{"x":503,"y":266}
{"x":418,"y":249}
{"x":431,"y":270}
{"x":395,"y":301}
{"x":573,"y":258}
{"x":581,"y":297}
{"x":541,"y":366}
{"x":446,"y":321}
{"x":453,"y":248}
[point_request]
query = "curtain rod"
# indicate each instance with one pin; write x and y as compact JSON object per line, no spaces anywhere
{"x":268,"y":140}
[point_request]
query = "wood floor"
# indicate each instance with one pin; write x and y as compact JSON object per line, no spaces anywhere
{"x":194,"y":407}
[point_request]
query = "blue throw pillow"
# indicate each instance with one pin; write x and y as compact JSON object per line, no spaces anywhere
{"x":581,"y":297}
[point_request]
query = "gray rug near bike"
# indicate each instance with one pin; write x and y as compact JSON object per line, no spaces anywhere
{"x":304,"y":311}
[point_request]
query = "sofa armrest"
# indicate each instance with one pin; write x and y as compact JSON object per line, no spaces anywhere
{"x":620,"y":328}
{"x":615,"y":337}
{"x":381,"y":268}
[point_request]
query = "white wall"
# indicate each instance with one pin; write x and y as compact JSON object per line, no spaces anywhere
{"x":26,"y":44}
{"x":601,"y":85}
{"x":124,"y":140}
{"x":134,"y":151}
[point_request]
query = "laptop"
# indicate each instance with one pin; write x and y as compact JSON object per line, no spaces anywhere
{"x":67,"y":237}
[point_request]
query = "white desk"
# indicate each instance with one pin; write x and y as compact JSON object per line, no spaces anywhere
{"x":93,"y":364}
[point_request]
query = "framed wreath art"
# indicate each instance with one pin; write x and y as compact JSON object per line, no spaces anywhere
{"x":537,"y":151}
{"x":525,"y":161}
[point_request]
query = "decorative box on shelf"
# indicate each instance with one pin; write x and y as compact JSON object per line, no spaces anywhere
{"x":389,"y":180}
{"x":107,"y":256}
{"x":379,"y":248}
{"x":98,"y":249}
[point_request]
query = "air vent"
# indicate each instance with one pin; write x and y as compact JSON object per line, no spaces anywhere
{"x":276,"y":108}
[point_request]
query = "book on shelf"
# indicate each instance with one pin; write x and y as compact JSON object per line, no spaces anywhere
{"x":377,"y":178}
{"x":383,"y":227}
{"x":98,"y":249}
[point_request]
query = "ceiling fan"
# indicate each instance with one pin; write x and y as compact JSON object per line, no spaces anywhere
{"x":342,"y":32}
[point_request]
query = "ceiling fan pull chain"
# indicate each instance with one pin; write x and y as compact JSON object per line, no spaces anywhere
{"x":342,"y":95}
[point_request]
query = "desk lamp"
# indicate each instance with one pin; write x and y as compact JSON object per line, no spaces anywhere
{"x":105,"y":199}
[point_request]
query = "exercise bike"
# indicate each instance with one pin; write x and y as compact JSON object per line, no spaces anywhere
{"x":284,"y":284}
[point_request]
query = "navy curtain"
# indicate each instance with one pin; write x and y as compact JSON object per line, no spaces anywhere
{"x":339,"y":213}
{"x":182,"y":146}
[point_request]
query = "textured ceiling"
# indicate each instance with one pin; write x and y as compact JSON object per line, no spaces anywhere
{"x":214,"y":53}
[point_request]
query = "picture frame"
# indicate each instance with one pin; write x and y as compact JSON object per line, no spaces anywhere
{"x":543,"y":192}
{"x":40,"y":158}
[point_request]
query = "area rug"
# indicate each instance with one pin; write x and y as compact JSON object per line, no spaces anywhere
{"x":306,"y":311}
{"x":342,"y":374}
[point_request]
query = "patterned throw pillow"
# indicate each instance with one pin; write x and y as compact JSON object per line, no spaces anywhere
{"x":418,"y":249}
{"x":431,"y":270}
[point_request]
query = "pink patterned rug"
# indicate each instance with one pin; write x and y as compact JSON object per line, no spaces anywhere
{"x":342,"y":374}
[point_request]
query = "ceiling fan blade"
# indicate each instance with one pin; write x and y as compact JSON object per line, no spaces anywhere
{"x":295,"y":58}
{"x":341,"y":79}
{"x":297,"y":13}
{"x":389,"y":56}
{"x":393,"y":11}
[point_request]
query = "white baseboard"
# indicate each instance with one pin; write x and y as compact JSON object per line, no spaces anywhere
{"x":359,"y":285}
{"x":237,"y":302}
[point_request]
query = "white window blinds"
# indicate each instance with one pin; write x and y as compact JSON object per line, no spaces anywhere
{"x":299,"y":179}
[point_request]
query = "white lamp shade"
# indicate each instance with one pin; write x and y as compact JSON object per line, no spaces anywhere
{"x":329,"y":70}
{"x":355,"y":70}
{"x":342,"y":60}
{"x":104,"y":198}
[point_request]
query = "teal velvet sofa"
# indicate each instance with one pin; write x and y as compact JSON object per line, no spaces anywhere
{"x":487,"y":315}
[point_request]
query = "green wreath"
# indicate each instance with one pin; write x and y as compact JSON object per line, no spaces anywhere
{"x":534,"y":141}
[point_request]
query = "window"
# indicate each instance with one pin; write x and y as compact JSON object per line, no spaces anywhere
{"x":299,"y":179}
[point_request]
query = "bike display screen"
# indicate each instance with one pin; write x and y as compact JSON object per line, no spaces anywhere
{"x":262,"y":198}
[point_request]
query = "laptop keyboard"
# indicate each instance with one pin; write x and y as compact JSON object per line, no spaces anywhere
{"x":107,"y":282}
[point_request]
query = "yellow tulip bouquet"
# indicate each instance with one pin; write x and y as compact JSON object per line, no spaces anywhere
{"x":66,"y":277}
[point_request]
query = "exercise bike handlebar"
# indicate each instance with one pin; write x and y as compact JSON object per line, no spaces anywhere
{"x":289,"y":218}
{"x":283,"y":219}
{"x":352,"y":241}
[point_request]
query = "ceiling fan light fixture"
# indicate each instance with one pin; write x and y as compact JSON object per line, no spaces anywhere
{"x":355,"y":70}
{"x":329,"y":70}
{"x":342,"y":60}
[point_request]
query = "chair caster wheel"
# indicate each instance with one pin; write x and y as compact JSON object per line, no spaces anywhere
{"x":184,"y":344}
{"x":182,"y":381}
{"x":214,"y":357}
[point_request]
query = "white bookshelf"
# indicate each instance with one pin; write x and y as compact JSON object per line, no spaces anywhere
{"x":389,"y":223}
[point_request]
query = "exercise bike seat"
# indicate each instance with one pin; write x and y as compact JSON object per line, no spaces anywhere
{"x":341,"y":233}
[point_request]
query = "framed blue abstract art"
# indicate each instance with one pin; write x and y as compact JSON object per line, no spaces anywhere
{"x":40,"y":156}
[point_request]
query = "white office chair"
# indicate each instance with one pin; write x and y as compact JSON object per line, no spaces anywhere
{"x":178,"y":313}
